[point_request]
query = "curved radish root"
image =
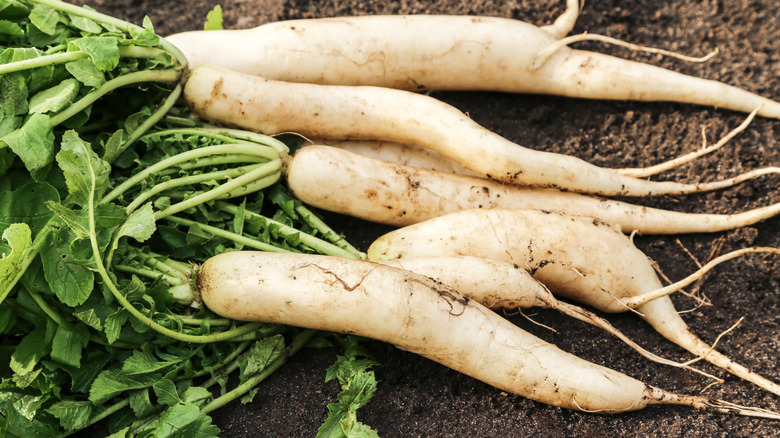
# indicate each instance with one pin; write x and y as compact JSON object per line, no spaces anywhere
{"x":419,"y":315}
{"x":340,"y":112}
{"x":499,"y":285}
{"x":378,"y":191}
{"x":580,"y":258}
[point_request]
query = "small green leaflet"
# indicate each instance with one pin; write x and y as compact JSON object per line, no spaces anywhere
{"x":214,"y":19}
{"x":70,"y":281}
{"x":166,"y":392}
{"x":106,"y":216}
{"x":111,"y":383}
{"x":32,"y":348}
{"x":10,"y":30}
{"x":85,"y":71}
{"x":13,"y":93}
{"x":357,"y":387}
{"x":34,"y":144}
{"x":84,"y":171}
{"x":69,"y":341}
{"x":45,"y":18}
{"x":104,"y":52}
{"x":56,"y":98}
{"x":19,"y":238}
{"x":85,"y":24}
{"x":27,"y":204}
{"x":261,"y":354}
{"x":140,"y":225}
{"x":73,"y":415}
{"x":185,"y":420}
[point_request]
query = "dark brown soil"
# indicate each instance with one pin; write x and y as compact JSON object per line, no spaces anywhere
{"x":419,"y":398}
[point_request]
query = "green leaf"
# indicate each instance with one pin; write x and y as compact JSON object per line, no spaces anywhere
{"x":359,"y":390}
{"x":103,"y":51}
{"x":85,"y":71}
{"x":13,"y":91}
{"x":85,"y":173}
{"x":106,"y":216}
{"x":113,"y":146}
{"x":111,"y":383}
{"x":69,"y":341}
{"x":114,"y":323}
{"x":34,"y":144}
{"x":56,"y":98}
{"x":166,"y":392}
{"x":31,"y":349}
{"x":45,"y":18}
{"x":144,"y":362}
{"x":140,"y":225}
{"x":85,"y":24}
{"x":70,"y":281}
{"x":27,"y":204}
{"x":75,"y":220}
{"x":195,"y":394}
{"x":83,"y":376}
{"x":360,"y":430}
{"x":185,"y":420}
{"x":331,"y":428}
{"x":140,"y":402}
{"x":90,"y":318}
{"x":19,"y":425}
{"x":10,"y":30}
{"x":19,"y":238}
{"x":214,"y":19}
{"x":73,"y":415}
{"x":261,"y":354}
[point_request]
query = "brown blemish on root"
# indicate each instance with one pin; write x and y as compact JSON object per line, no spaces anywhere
{"x":338,"y":280}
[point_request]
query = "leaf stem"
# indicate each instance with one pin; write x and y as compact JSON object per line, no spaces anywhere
{"x":300,"y":341}
{"x":169,"y":75}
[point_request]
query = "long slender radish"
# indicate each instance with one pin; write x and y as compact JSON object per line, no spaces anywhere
{"x":579,"y":258}
{"x":420,"y":315}
{"x":500,"y":285}
{"x":337,"y":180}
{"x":451,"y":53}
{"x":342,"y":112}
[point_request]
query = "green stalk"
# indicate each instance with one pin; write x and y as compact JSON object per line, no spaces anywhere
{"x":149,"y":273}
{"x":246,"y":241}
{"x":150,"y":121}
{"x":313,"y":242}
{"x":230,"y":173}
{"x":315,"y":222}
{"x":300,"y":341}
{"x":258,"y":178}
{"x":66,"y":57}
{"x":109,"y":283}
{"x":184,"y":157}
{"x":41,"y":61}
{"x":120,"y":81}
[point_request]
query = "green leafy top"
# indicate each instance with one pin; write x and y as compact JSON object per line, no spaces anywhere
{"x":56,"y":63}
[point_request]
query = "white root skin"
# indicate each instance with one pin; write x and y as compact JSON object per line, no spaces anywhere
{"x":500,"y":285}
{"x":343,"y":112}
{"x":431,"y":52}
{"x":401,"y":153}
{"x":419,"y":315}
{"x":494,"y":284}
{"x":393,"y":194}
{"x":583,"y":259}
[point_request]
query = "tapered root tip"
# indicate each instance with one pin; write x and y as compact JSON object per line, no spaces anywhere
{"x":707,"y":404}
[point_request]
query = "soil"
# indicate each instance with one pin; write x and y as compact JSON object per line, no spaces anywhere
{"x":417,"y":397}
